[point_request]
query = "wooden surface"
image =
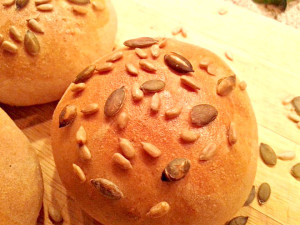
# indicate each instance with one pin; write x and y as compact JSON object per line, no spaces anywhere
{"x":266,"y":55}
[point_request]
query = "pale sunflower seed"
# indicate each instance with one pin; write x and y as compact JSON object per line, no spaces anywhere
{"x":45,"y":7}
{"x":1,"y":39}
{"x":190,"y":82}
{"x":212,"y":69}
{"x":155,"y":103}
{"x":9,"y":47}
{"x":263,"y":194}
{"x":84,"y":75}
{"x":140,"y":42}
{"x":106,"y":67}
{"x":90,"y":109}
{"x":127,"y":148}
{"x":232,"y":136}
{"x":147,"y":66}
{"x":107,"y":188}
{"x":176,"y":30}
{"x":152,"y":150}
{"x":35,"y":26}
{"x":54,"y":215}
{"x":153,"y":86}
{"x":98,"y":6}
{"x":122,"y":120}
{"x":287,"y":100}
{"x":131,"y":69}
{"x":15,"y":34}
{"x":204,"y":62}
{"x":222,"y":11}
{"x":159,"y":210}
{"x":39,"y":2}
{"x":203,"y":114}
{"x":121,"y":161}
{"x":296,"y":104}
{"x":31,"y":43}
{"x":21,"y":3}
{"x":288,"y":155}
{"x":267,"y":154}
{"x":178,"y":63}
{"x":183,"y":32}
{"x":226,"y":85}
{"x":79,"y":173}
{"x":115,"y":57}
{"x":141,"y":53}
{"x":114,"y":102}
{"x":176,"y":170}
{"x":294,"y":117}
{"x":136,"y":92}
{"x":295,"y":171}
{"x":208,"y":152}
{"x":243,"y":85}
{"x":250,"y":197}
{"x":229,"y":55}
{"x":67,"y":115}
{"x":84,"y":152}
{"x":163,"y":43}
{"x":155,"y":51}
{"x":81,"y":136}
{"x":77,"y":87}
{"x":173,"y":112}
{"x":240,"y":220}
{"x":80,"y":10}
{"x":80,"y":2}
{"x":8,"y":3}
{"x":189,"y":136}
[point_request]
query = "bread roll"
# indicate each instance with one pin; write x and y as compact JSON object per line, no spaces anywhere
{"x":21,"y":185}
{"x":171,"y":142}
{"x":44,"y":44}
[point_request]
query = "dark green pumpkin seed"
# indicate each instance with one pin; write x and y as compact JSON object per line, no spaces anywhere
{"x":203,"y":114}
{"x":263,"y":194}
{"x":178,"y":63}
{"x":80,"y":2}
{"x":176,"y":170}
{"x":153,"y":86}
{"x":267,"y":154}
{"x":250,"y":197}
{"x":31,"y":43}
{"x":107,"y":188}
{"x":85,"y":74}
{"x":67,"y":115}
{"x":240,"y":220}
{"x":141,"y":42}
{"x":296,"y":104}
{"x":296,"y":171}
{"x":21,"y":3}
{"x":114,"y":102}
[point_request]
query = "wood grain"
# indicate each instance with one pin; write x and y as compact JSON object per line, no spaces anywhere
{"x":266,"y":55}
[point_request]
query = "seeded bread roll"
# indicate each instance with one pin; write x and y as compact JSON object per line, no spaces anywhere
{"x":160,"y":135}
{"x":44,"y":44}
{"x":21,"y":186}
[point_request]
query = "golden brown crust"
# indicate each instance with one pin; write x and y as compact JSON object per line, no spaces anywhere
{"x":21,"y":179}
{"x":69,"y":42}
{"x":210,"y":193}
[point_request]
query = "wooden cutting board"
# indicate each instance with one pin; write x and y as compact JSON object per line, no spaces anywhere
{"x":266,"y":55}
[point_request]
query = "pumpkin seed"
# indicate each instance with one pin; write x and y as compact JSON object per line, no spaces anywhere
{"x":178,"y":63}
{"x":151,"y":149}
{"x":54,"y":215}
{"x":208,"y":152}
{"x":21,"y":3}
{"x":140,"y":42}
{"x":250,"y":197}
{"x":9,"y":47}
{"x":35,"y":26}
{"x":122,"y":120}
{"x":176,"y":170}
{"x":153,"y":86}
{"x":155,"y":103}
{"x":45,"y":7}
{"x":80,"y":10}
{"x":147,"y":66}
{"x":240,"y":220}
{"x":107,"y":188}
{"x":243,"y":85}
{"x":159,"y":210}
{"x":131,"y":69}
{"x":226,"y":85}
{"x":114,"y":102}
{"x":85,"y":74}
{"x":141,"y":53}
{"x":7,"y":3}
{"x":80,"y":2}
{"x":296,"y":171}
{"x":189,"y":136}
{"x":127,"y":148}
{"x":67,"y":115}
{"x":188,"y":81}
{"x":15,"y":34}
{"x":114,"y":57}
{"x":263,"y":194}
{"x":296,"y":104}
{"x":267,"y":154}
{"x":121,"y":161}
{"x":31,"y":43}
{"x":39,"y":2}
{"x":79,"y":173}
{"x":203,"y":114}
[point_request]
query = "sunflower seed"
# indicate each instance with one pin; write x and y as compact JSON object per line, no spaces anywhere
{"x":122,"y":120}
{"x":127,"y":148}
{"x":81,"y":136}
{"x":1,"y":39}
{"x":155,"y":51}
{"x":250,"y":197}
{"x":54,"y":215}
{"x":226,"y":85}
{"x":77,"y":87}
{"x":85,"y":74}
{"x":294,"y":117}
{"x":155,"y":103}
{"x":80,"y":10}
{"x":153,"y":86}
{"x":232,"y":138}
{"x":107,"y":188}
{"x":90,"y":109}
{"x":114,"y":102}
{"x":80,"y":2}
{"x":240,"y":220}
{"x":189,"y":136}
{"x":114,"y":57}
{"x":136,"y":92}
{"x":287,"y":100}
{"x":176,"y":30}
{"x":263,"y":194}
{"x":35,"y":26}
{"x":79,"y":173}
{"x":288,"y":155}
{"x":223,"y":12}
{"x":39,"y":2}
{"x":67,"y":115}
{"x":31,"y":43}
{"x":21,"y":3}
{"x":203,"y":114}
{"x":45,"y":7}
{"x":229,"y":55}
{"x":15,"y":34}
{"x":98,"y":6}
{"x":9,"y":47}
{"x":159,"y":210}
{"x":204,"y":62}
{"x":163,"y":43}
{"x":173,"y":112}
{"x":84,"y":152}
{"x":296,"y":104}
{"x":176,"y":170}
{"x":151,"y":149}
{"x":183,"y":32}
{"x":147,"y":66}
{"x":178,"y":63}
{"x":106,"y":67}
{"x":296,"y":171}
{"x":121,"y":161}
{"x":212,"y":69}
{"x":208,"y":152}
{"x":7,"y":3}
{"x":141,"y":53}
{"x":190,"y":82}
{"x":267,"y":154}
{"x":140,"y":42}
{"x":131,"y":69}
{"x":243,"y":85}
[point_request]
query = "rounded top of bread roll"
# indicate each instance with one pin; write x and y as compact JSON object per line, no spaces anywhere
{"x":21,"y":183}
{"x":44,"y":44}
{"x":160,"y":135}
